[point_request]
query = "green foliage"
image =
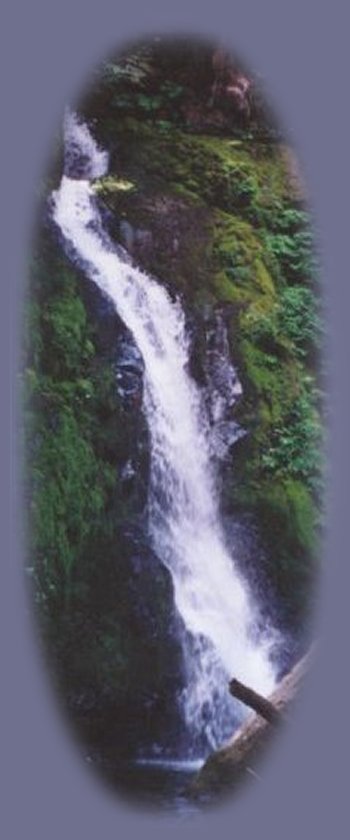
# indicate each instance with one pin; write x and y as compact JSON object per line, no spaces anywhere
{"x":290,"y":218}
{"x":295,"y":448}
{"x":299,"y":318}
{"x":282,"y":216}
{"x":288,"y":511}
{"x":70,"y":478}
{"x":293,"y":252}
{"x":134,"y":68}
{"x":276,"y":331}
{"x":147,"y":103}
{"x":289,"y":241}
{"x":290,"y":322}
{"x":68,"y":498}
{"x":64,"y":325}
{"x":288,"y":523}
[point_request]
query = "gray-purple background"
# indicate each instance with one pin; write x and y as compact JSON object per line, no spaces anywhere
{"x":48,"y":50}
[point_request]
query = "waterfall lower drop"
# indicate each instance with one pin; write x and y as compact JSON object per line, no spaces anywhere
{"x":222,"y":638}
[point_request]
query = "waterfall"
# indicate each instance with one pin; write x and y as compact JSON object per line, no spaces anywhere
{"x":223,"y":637}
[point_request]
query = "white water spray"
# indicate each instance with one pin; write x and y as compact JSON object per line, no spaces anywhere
{"x":223,"y":639}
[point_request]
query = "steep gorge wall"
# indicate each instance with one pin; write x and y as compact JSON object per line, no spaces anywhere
{"x":217,"y":220}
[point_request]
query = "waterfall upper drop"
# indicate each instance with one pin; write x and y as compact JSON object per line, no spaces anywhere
{"x":222,"y":638}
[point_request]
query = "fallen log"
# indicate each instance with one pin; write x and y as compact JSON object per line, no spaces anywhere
{"x":255,"y":701}
{"x":227,"y":767}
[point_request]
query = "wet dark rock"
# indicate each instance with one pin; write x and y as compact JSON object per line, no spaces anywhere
{"x":164,"y":234}
{"x":120,"y":718}
{"x":129,"y":368}
{"x":128,"y":472}
{"x":211,"y":365}
{"x":223,"y":382}
{"x":127,"y":234}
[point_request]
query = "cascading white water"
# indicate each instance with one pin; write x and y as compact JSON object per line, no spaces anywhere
{"x":220,"y":619}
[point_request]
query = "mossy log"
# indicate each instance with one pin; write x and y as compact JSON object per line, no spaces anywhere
{"x":225,"y":768}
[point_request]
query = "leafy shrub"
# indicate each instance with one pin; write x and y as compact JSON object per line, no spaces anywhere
{"x":149,"y":103}
{"x":295,"y":448}
{"x":288,"y":239}
{"x":299,"y":318}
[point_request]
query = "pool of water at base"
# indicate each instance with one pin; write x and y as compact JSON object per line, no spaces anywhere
{"x":155,"y":785}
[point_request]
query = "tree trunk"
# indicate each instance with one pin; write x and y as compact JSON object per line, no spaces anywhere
{"x":259,"y":704}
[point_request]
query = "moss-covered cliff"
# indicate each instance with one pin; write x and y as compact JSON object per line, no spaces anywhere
{"x":98,"y":587}
{"x":217,"y":213}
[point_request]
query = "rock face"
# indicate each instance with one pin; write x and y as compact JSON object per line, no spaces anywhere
{"x":141,"y":707}
{"x":227,"y":767}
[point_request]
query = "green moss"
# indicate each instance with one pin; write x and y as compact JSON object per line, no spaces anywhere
{"x":226,"y":174}
{"x":69,"y":472}
{"x":69,"y":496}
{"x":288,"y":511}
{"x":238,"y":251}
{"x":287,"y":519}
{"x":223,"y":289}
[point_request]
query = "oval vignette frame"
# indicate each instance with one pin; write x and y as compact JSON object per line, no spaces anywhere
{"x":230,"y":189}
